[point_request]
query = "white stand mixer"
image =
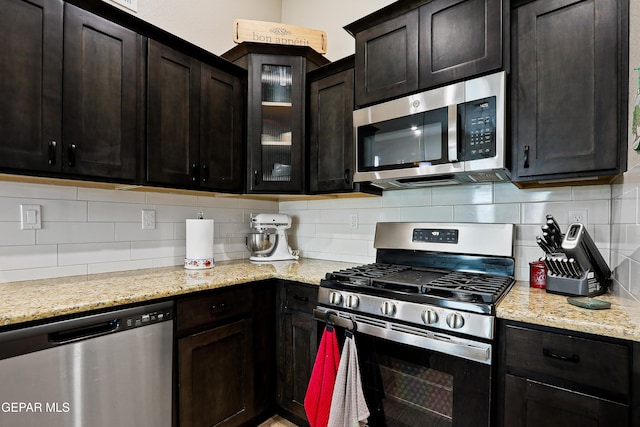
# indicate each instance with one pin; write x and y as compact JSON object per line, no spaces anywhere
{"x":279,"y":249}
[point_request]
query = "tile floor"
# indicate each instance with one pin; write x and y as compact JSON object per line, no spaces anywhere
{"x":277,"y":421}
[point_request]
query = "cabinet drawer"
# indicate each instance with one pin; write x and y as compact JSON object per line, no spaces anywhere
{"x":301,"y":298}
{"x":219,"y":305}
{"x":594,"y":364}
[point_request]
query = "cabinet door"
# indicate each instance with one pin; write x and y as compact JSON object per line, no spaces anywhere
{"x":215,"y":370}
{"x":101,"y":104}
{"x":566,"y":86}
{"x":532,"y":404}
{"x":173,"y":117}
{"x":275,"y":129}
{"x":221,"y":131}
{"x":31,"y":84}
{"x":387,"y":59}
{"x":331,"y":151}
{"x":458,"y":39}
{"x":299,"y":345}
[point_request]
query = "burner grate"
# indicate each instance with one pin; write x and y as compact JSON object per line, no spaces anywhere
{"x":465,"y":285}
{"x":364,"y":274}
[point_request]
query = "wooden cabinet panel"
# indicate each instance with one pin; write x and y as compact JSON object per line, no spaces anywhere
{"x":586,"y":362}
{"x":101,"y":102}
{"x":297,"y":346}
{"x":173,"y":116}
{"x":458,"y":39}
{"x":221,"y":131}
{"x":569,"y":76}
{"x":31,"y":85}
{"x":204,"y":310}
{"x":216,"y":376}
{"x":331,"y":150}
{"x":530,"y":403}
{"x":387,"y":60}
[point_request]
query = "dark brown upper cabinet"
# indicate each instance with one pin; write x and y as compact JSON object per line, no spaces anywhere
{"x":101,"y":97}
{"x":98,"y":107}
{"x":569,"y":89}
{"x":387,"y":59}
{"x":276,"y":108}
{"x":330,"y":127}
{"x":415,"y":45}
{"x":459,"y":39}
{"x":195,"y":119}
{"x":31,"y":85}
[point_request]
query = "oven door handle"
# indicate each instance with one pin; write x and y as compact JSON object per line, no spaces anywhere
{"x":452,"y":132}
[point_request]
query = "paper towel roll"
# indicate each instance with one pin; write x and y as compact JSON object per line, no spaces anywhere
{"x":199,"y":250}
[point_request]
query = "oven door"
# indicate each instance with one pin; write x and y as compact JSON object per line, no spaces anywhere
{"x":414,"y":377}
{"x":409,"y":386}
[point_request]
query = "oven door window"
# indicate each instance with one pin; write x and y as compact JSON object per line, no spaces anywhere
{"x":407,"y":386}
{"x":404,"y":142}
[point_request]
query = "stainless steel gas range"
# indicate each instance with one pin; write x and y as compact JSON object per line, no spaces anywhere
{"x":424,"y":315}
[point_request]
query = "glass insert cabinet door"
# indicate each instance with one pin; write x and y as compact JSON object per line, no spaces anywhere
{"x":277,"y":120}
{"x":275,"y":128}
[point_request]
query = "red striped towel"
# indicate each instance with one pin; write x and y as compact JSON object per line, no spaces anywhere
{"x":317,"y":401}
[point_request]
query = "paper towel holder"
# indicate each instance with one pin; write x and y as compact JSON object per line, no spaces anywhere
{"x":199,"y":243}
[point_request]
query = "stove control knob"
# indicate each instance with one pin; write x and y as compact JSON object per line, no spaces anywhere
{"x":335,"y":298}
{"x":388,"y":308}
{"x":455,"y":321}
{"x":430,"y":317}
{"x":351,"y":301}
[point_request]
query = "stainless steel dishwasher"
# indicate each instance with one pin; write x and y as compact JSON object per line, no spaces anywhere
{"x":107,"y":369}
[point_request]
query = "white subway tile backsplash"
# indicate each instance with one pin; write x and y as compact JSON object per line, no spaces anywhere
{"x":462,"y":195}
{"x":12,"y":235}
{"x":402,"y":198}
{"x":591,"y":192}
{"x":504,"y":213}
{"x":101,"y":195}
{"x":115,"y":212}
{"x":76,"y":232}
{"x":171,"y":199}
{"x":41,"y":273}
{"x":171,"y":213}
{"x":23,"y":257}
{"x":109,"y":267}
{"x":161,"y":249}
{"x":51,"y":210}
{"x":93,"y":253}
{"x":509,"y":193}
{"x":427,"y":214}
{"x":129,"y":231}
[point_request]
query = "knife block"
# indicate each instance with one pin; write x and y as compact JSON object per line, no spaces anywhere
{"x":587,"y":285}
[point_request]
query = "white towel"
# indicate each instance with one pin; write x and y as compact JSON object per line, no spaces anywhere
{"x":348,"y":407}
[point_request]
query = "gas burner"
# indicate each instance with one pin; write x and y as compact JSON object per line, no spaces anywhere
{"x":360,"y":275}
{"x":485,"y":286}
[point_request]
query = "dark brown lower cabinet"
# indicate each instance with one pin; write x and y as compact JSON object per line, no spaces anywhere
{"x":297,"y":339}
{"x":556,"y":378}
{"x":216,"y":376}
{"x":226,"y":356}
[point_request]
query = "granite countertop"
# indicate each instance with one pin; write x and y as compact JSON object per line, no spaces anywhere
{"x":41,"y":299}
{"x":532,"y":305}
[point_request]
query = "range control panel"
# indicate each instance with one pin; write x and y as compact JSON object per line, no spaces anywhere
{"x":480,"y":129}
{"x":146,"y":318}
{"x":434,"y":235}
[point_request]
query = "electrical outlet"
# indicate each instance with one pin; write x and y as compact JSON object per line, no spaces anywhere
{"x":353,"y":221}
{"x":577,"y":216}
{"x":30,"y":218}
{"x":148,"y":219}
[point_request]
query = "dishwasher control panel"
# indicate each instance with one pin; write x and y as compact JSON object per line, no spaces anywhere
{"x":147,"y":318}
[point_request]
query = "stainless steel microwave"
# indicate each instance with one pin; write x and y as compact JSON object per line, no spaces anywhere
{"x":448,"y":135}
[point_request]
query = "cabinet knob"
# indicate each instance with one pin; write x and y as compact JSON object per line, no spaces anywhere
{"x":71,"y":155}
{"x":52,"y":152}
{"x":218,"y":307}
{"x":526,"y":156}
{"x":255,"y":177}
{"x":194,"y":172}
{"x":347,"y":176}
{"x":205,"y":173}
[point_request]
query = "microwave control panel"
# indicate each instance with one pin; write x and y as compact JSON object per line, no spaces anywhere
{"x":480,"y":128}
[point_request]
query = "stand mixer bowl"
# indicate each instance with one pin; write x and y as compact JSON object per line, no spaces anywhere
{"x":261,"y":244}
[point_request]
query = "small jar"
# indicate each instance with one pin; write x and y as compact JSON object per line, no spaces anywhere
{"x":538,"y":275}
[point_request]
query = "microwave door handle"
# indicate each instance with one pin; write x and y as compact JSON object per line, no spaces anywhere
{"x":452,"y":134}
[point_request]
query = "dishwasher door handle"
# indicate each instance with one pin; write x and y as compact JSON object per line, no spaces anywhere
{"x":95,"y":330}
